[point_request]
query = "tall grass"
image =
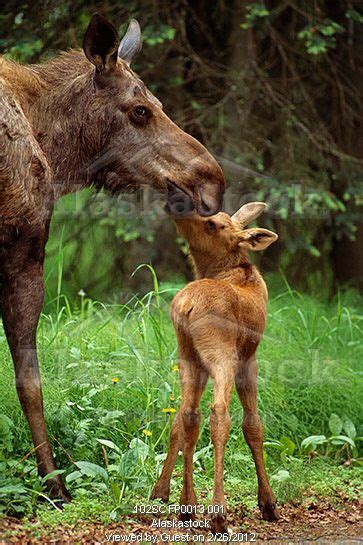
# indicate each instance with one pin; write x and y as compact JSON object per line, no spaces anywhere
{"x":109,"y":374}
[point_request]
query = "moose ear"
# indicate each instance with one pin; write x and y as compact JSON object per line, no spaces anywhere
{"x":249,"y":212}
{"x":131,"y":43}
{"x":257,"y":239}
{"x":100,"y":43}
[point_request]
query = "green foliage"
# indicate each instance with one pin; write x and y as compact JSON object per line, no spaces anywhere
{"x":82,"y":225}
{"x":319,"y":37}
{"x":285,"y":446}
{"x":20,"y":486}
{"x":337,"y":445}
{"x":6,"y":433}
{"x":111,"y":390}
{"x":295,"y":202}
{"x":156,"y":36}
{"x":24,"y":51}
{"x":255,"y":12}
{"x":354,"y":15}
{"x":290,"y":129}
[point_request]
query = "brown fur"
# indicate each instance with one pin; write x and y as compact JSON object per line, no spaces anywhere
{"x":219,"y":321}
{"x":65,"y":124}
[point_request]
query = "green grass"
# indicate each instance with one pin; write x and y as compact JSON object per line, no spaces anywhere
{"x":108,"y":374}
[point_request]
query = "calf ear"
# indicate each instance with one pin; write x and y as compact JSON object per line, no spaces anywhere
{"x":131,"y":43}
{"x":257,"y":239}
{"x":249,"y":212}
{"x":100,"y":43}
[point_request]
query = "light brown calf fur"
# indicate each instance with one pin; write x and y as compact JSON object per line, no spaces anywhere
{"x":219,"y":321}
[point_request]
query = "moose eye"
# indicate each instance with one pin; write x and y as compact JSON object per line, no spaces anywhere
{"x":140,"y":111}
{"x":211,"y":225}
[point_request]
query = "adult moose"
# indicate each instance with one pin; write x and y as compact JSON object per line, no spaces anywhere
{"x":84,"y":118}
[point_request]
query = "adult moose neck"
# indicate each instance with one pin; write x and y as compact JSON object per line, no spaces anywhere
{"x":56,"y":97}
{"x":59,"y":117}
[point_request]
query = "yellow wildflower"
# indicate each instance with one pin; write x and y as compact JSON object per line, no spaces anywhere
{"x":169,"y":410}
{"x":175,"y":368}
{"x":147,"y":433}
{"x":172,"y":397}
{"x":115,"y":380}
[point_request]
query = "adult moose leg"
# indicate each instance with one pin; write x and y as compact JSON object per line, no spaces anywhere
{"x":22,"y":301}
{"x":246,"y":385}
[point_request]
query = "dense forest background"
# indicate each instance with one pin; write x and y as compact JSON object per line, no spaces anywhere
{"x":271,"y":88}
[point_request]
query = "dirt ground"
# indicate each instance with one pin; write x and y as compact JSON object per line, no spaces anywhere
{"x":312,"y":523}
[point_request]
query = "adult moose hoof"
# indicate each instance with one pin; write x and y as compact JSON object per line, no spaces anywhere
{"x":160,"y":493}
{"x":57,"y":491}
{"x":269,"y":511}
{"x":219,"y":525}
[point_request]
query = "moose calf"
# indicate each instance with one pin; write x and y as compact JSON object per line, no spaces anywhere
{"x":219,"y":320}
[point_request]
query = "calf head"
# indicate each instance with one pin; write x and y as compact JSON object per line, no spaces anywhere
{"x":141,"y":144}
{"x":222,"y":235}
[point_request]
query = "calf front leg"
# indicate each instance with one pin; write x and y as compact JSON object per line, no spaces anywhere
{"x":246,"y":385}
{"x":22,"y":303}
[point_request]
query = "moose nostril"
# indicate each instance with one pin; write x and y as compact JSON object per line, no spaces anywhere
{"x":205,"y":207}
{"x":208,"y":208}
{"x":204,"y":210}
{"x":179,"y":204}
{"x":209,"y":202}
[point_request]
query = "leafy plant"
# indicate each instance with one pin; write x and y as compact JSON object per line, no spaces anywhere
{"x":155,"y":36}
{"x":336,"y":444}
{"x":354,"y":15}
{"x":285,"y":446}
{"x":21,"y":487}
{"x":320,"y":37}
{"x":6,"y":434}
{"x":126,"y":471}
{"x":255,"y":13}
{"x":281,"y":476}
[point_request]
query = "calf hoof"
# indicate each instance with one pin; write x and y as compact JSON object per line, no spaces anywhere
{"x":58,"y":492}
{"x":269,"y":512}
{"x":218,"y":524}
{"x":160,"y":493}
{"x":186,"y":516}
{"x":187,"y":512}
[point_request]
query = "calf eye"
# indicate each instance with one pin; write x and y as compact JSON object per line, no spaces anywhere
{"x":140,"y":111}
{"x":211,"y":225}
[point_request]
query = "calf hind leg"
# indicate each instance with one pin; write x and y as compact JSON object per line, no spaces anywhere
{"x":161,"y":489}
{"x":221,"y":365}
{"x":220,"y":423}
{"x":193,"y":380}
{"x":246,"y":385}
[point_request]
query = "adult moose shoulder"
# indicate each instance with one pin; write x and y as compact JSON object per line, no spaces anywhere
{"x":84,"y":118}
